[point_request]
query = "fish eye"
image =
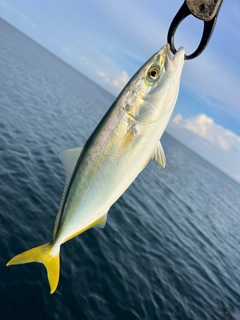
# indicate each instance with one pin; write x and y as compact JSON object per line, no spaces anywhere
{"x":153,"y":73}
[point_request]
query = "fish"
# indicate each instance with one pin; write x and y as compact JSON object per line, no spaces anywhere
{"x":124,"y":141}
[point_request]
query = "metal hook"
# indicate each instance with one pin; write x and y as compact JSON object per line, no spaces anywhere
{"x":202,"y":9}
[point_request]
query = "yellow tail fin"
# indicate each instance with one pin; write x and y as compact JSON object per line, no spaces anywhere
{"x":44,"y":255}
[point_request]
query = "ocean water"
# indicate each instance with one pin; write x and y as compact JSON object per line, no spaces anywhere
{"x":170,"y":248}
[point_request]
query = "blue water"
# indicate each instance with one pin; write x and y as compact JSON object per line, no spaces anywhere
{"x":170,"y":249}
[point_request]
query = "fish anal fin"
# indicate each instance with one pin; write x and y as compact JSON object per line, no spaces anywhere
{"x":100,"y":223}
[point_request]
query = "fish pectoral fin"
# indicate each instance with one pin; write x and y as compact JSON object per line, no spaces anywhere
{"x":159,"y":155}
{"x":127,"y":141}
{"x":101,"y":222}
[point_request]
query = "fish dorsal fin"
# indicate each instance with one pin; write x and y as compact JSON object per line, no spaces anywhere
{"x":159,"y":155}
{"x":101,"y":222}
{"x":69,"y":159}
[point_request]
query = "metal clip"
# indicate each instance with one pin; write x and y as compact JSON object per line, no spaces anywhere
{"x":206,"y":10}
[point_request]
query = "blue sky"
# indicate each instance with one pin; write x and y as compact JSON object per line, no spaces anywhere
{"x":108,"y":40}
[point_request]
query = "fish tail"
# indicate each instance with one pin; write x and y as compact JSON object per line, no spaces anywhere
{"x":42,"y":254}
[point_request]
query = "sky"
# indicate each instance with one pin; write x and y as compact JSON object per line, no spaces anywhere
{"x":109,"y":40}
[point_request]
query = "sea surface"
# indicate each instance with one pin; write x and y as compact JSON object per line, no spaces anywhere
{"x":171,"y":245}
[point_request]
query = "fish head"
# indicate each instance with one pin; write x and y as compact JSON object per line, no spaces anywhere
{"x":152,"y":92}
{"x":161,"y":78}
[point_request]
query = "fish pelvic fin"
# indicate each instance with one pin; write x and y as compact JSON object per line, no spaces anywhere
{"x":42,"y":254}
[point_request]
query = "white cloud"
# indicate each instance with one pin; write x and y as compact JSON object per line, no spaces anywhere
{"x":103,"y":75}
{"x":206,"y":128}
{"x":93,"y":64}
{"x":117,"y":82}
{"x":237,"y":177}
{"x":218,"y":145}
{"x":120,"y":80}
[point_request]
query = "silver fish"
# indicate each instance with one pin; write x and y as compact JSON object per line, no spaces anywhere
{"x":117,"y":151}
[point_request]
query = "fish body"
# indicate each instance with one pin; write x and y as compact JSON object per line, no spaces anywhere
{"x":125,"y":140}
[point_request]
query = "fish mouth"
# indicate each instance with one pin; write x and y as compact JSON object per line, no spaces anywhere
{"x":169,"y":59}
{"x":176,"y":58}
{"x":168,"y":52}
{"x":180,"y":51}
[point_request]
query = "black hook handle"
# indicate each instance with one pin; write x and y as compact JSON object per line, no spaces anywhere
{"x":209,"y":25}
